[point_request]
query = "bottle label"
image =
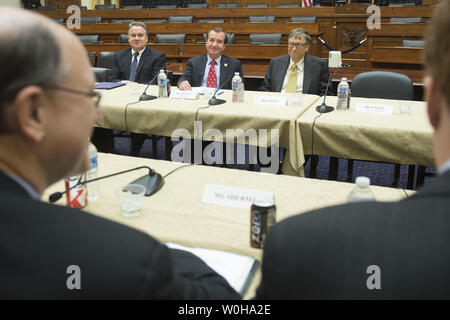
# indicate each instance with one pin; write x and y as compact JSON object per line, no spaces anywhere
{"x":163,"y":81}
{"x":94,"y":162}
{"x":342,"y":91}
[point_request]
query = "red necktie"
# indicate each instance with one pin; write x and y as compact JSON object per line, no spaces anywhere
{"x":211,"y":82}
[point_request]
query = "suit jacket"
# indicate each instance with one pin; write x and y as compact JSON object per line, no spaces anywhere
{"x":39,"y":241}
{"x":326,"y":254}
{"x":195,"y":70}
{"x":315,"y":75}
{"x":149,"y":65}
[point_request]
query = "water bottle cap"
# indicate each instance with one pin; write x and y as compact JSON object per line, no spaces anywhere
{"x":363,"y":182}
{"x":162,"y":70}
{"x":236,"y":73}
{"x":344,"y":79}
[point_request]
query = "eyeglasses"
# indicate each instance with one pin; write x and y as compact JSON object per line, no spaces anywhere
{"x":297,"y":44}
{"x":96,"y":97}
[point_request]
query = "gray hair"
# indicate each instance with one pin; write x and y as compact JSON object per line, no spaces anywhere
{"x":138,"y":24}
{"x":300,"y":33}
{"x":29,"y":55}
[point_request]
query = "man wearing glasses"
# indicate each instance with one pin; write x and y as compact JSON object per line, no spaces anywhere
{"x":47,"y":112}
{"x":297,"y":71}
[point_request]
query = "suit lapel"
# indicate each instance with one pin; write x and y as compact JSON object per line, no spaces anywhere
{"x":127,"y":64}
{"x":307,"y":74}
{"x":282,"y":73}
{"x":224,"y":70}
{"x":145,"y":56}
{"x":200,"y":72}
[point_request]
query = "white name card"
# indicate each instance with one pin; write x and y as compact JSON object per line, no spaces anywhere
{"x":183,"y":94}
{"x":274,"y":101}
{"x":374,"y":108}
{"x":241,"y":198}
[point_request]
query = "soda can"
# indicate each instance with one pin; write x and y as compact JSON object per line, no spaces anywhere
{"x":262,"y":217}
{"x":78,"y":196}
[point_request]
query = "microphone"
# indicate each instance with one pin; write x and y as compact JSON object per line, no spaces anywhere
{"x":151,"y":182}
{"x":214,"y":101}
{"x":323,"y":108}
{"x":147,"y":97}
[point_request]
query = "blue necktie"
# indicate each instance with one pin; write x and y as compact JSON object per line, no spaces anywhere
{"x":133,"y":68}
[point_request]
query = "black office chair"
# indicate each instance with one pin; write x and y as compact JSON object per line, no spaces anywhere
{"x":123,"y":38}
{"x":178,"y":38}
{"x":230,"y":38}
{"x":47,"y":7}
{"x":288,"y":5}
{"x":88,"y":38}
{"x":91,"y":19}
{"x":181,"y":19}
{"x":385,"y":85}
{"x":413,"y":43}
{"x":105,"y":59}
{"x":105,"y":6}
{"x":133,"y":7}
{"x":91,"y":56}
{"x":310,"y":19}
{"x":170,"y":6}
{"x":406,"y":20}
{"x":122,"y":20}
{"x":257,"y":5}
{"x":228,"y":5}
{"x":59,"y":20}
{"x":156,"y":21}
{"x":101,"y":74}
{"x":197,"y":5}
{"x":265,"y":38}
{"x":217,"y":21}
{"x":263,"y":19}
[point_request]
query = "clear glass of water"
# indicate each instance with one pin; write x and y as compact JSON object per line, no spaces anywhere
{"x":130,"y":199}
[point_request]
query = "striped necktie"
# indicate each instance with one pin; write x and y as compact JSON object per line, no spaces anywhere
{"x":133,"y":67}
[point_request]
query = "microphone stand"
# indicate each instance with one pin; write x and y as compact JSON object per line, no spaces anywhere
{"x":147,"y":97}
{"x":323,"y":108}
{"x":214,"y":101}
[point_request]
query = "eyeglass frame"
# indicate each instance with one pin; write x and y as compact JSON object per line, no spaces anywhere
{"x":96,"y":96}
{"x":297,"y":45}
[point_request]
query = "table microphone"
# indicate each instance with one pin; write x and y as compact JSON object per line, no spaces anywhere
{"x":147,"y":97}
{"x":323,"y":108}
{"x":152,"y":182}
{"x":214,"y":101}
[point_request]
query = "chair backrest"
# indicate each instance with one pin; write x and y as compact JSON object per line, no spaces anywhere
{"x":105,"y":6}
{"x":261,"y":18}
{"x":156,"y":21}
{"x":58,"y":20}
{"x":265,"y":38}
{"x":123,"y":38}
{"x":230,"y":38}
{"x":228,"y":5}
{"x":311,"y":19}
{"x":413,"y":43}
{"x":169,"y":6}
{"x":91,"y":19}
{"x":105,"y":59}
{"x":171,"y":38}
{"x":88,"y":38}
{"x":101,"y":74}
{"x":382,"y":84}
{"x":257,"y":5}
{"x":197,"y":5}
{"x":91,"y":56}
{"x":288,"y":5}
{"x":133,"y":7}
{"x":211,"y":21}
{"x":184,"y":19}
{"x":48,"y":7}
{"x":122,"y":20}
{"x":83,"y":7}
{"x":406,"y":20}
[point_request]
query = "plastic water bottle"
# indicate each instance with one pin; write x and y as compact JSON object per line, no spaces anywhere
{"x":238,"y":88}
{"x":162,"y":84}
{"x":362,"y":191}
{"x":93,"y":187}
{"x":343,"y":92}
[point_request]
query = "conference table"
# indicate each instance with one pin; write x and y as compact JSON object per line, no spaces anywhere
{"x":167,"y":117}
{"x":400,"y":137}
{"x":177,"y":214}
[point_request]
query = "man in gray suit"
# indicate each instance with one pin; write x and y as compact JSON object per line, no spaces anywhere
{"x":297,"y":71}
{"x":375,"y":250}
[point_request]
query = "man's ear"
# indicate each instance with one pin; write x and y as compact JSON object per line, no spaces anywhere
{"x":433,"y":99}
{"x":29,"y":114}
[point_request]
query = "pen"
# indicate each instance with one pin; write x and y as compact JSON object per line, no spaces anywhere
{"x":220,"y":93}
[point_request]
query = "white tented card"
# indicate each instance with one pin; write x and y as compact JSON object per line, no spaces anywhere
{"x":374,"y":108}
{"x":183,"y":94}
{"x":274,"y":101}
{"x":233,"y":197}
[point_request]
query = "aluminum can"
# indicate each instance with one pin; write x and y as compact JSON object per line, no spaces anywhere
{"x":262,"y":217}
{"x":78,"y":196}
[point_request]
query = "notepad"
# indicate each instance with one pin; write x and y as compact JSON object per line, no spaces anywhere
{"x":108,"y":85}
{"x":238,"y":270}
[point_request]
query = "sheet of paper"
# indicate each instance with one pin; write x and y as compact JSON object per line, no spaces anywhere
{"x":234,"y":197}
{"x":273,"y":101}
{"x":238,"y":270}
{"x":374,"y":108}
{"x":182,"y":94}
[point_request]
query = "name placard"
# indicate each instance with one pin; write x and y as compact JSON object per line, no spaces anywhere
{"x":374,"y":108}
{"x":234,"y":197}
{"x":273,"y":101}
{"x":183,"y":94}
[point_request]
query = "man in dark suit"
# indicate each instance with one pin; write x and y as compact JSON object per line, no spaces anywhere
{"x":375,"y":250}
{"x":47,"y":111}
{"x":198,"y":71}
{"x":297,"y":71}
{"x":138,"y":64}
